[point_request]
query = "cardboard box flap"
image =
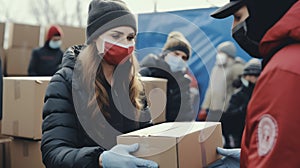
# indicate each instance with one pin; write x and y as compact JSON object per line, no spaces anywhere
{"x":176,"y":130}
{"x":206,"y":133}
{"x":171,"y":144}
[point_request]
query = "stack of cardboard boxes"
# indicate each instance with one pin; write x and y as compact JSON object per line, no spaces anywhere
{"x":15,"y":61}
{"x":23,"y":96}
{"x":22,"y":119}
{"x":4,"y":140}
{"x":22,"y":39}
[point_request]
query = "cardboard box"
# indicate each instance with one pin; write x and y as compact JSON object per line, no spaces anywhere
{"x":23,"y":35}
{"x":177,"y":144}
{"x":17,"y":61}
{"x":23,"y":100}
{"x":1,"y":135}
{"x":72,"y":36}
{"x":5,"y":152}
{"x":26,"y":153}
{"x":156,"y":93}
{"x":0,"y":129}
{"x":2,"y":31}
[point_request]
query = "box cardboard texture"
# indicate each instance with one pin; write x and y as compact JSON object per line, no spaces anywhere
{"x":23,"y":35}
{"x":177,"y":144}
{"x":23,"y":100}
{"x":26,"y":153}
{"x":156,"y":93}
{"x":5,"y":152}
{"x":72,"y":36}
{"x":2,"y":30}
{"x":17,"y":61}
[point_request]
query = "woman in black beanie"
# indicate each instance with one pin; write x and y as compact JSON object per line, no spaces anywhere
{"x":171,"y":65}
{"x":96,"y":96}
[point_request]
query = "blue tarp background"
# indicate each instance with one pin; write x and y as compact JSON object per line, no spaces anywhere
{"x":203,"y":32}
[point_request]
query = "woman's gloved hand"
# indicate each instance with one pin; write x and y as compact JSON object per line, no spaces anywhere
{"x":231,"y":158}
{"x":119,"y":157}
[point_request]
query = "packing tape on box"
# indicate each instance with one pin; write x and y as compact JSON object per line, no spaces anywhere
{"x":17,"y":89}
{"x":203,"y":154}
{"x":25,"y":149}
{"x":15,"y":127}
{"x":204,"y":135}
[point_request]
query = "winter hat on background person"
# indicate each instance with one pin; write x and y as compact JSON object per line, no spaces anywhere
{"x":253,"y":67}
{"x":104,"y":15}
{"x":228,"y":48}
{"x":54,"y":31}
{"x":177,"y":41}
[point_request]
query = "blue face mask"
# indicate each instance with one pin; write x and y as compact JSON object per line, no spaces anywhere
{"x":176,"y":63}
{"x":55,"y":44}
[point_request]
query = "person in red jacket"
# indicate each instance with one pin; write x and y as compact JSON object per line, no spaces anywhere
{"x":46,"y":60}
{"x":270,"y":29}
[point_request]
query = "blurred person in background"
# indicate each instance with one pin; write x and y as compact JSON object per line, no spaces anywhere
{"x":273,"y":111}
{"x":227,"y":68}
{"x":96,"y":96}
{"x":233,"y":120}
{"x":46,"y":60}
{"x":171,"y":65}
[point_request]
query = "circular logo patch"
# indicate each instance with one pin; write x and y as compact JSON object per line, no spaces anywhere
{"x":267,"y":134}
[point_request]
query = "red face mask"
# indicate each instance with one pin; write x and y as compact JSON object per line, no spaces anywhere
{"x":115,"y":53}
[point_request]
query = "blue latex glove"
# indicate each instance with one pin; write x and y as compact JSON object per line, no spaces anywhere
{"x":231,"y":158}
{"x":119,"y":157}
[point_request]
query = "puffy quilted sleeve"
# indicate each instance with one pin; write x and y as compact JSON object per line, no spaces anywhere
{"x":61,"y":146}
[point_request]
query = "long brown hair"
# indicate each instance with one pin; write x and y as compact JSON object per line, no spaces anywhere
{"x":93,"y":77}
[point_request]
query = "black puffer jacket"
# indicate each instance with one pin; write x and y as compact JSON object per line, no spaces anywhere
{"x":66,"y":142}
{"x":233,"y":120}
{"x":179,"y":106}
{"x":45,"y":61}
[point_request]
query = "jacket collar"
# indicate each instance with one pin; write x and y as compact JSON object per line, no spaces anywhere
{"x":285,"y":31}
{"x":70,"y":56}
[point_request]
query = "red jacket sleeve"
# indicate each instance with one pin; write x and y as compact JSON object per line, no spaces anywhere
{"x":271,"y":135}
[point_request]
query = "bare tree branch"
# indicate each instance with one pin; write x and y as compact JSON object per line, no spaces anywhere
{"x":47,"y":11}
{"x":64,"y":14}
{"x":35,"y":11}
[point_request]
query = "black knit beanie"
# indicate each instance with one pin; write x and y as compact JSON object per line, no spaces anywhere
{"x":252,"y":69}
{"x":177,"y":41}
{"x":104,"y":15}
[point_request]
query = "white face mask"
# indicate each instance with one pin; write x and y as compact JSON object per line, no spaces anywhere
{"x":221,"y":59}
{"x":176,"y":63}
{"x":245,"y":82}
{"x":55,"y":44}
